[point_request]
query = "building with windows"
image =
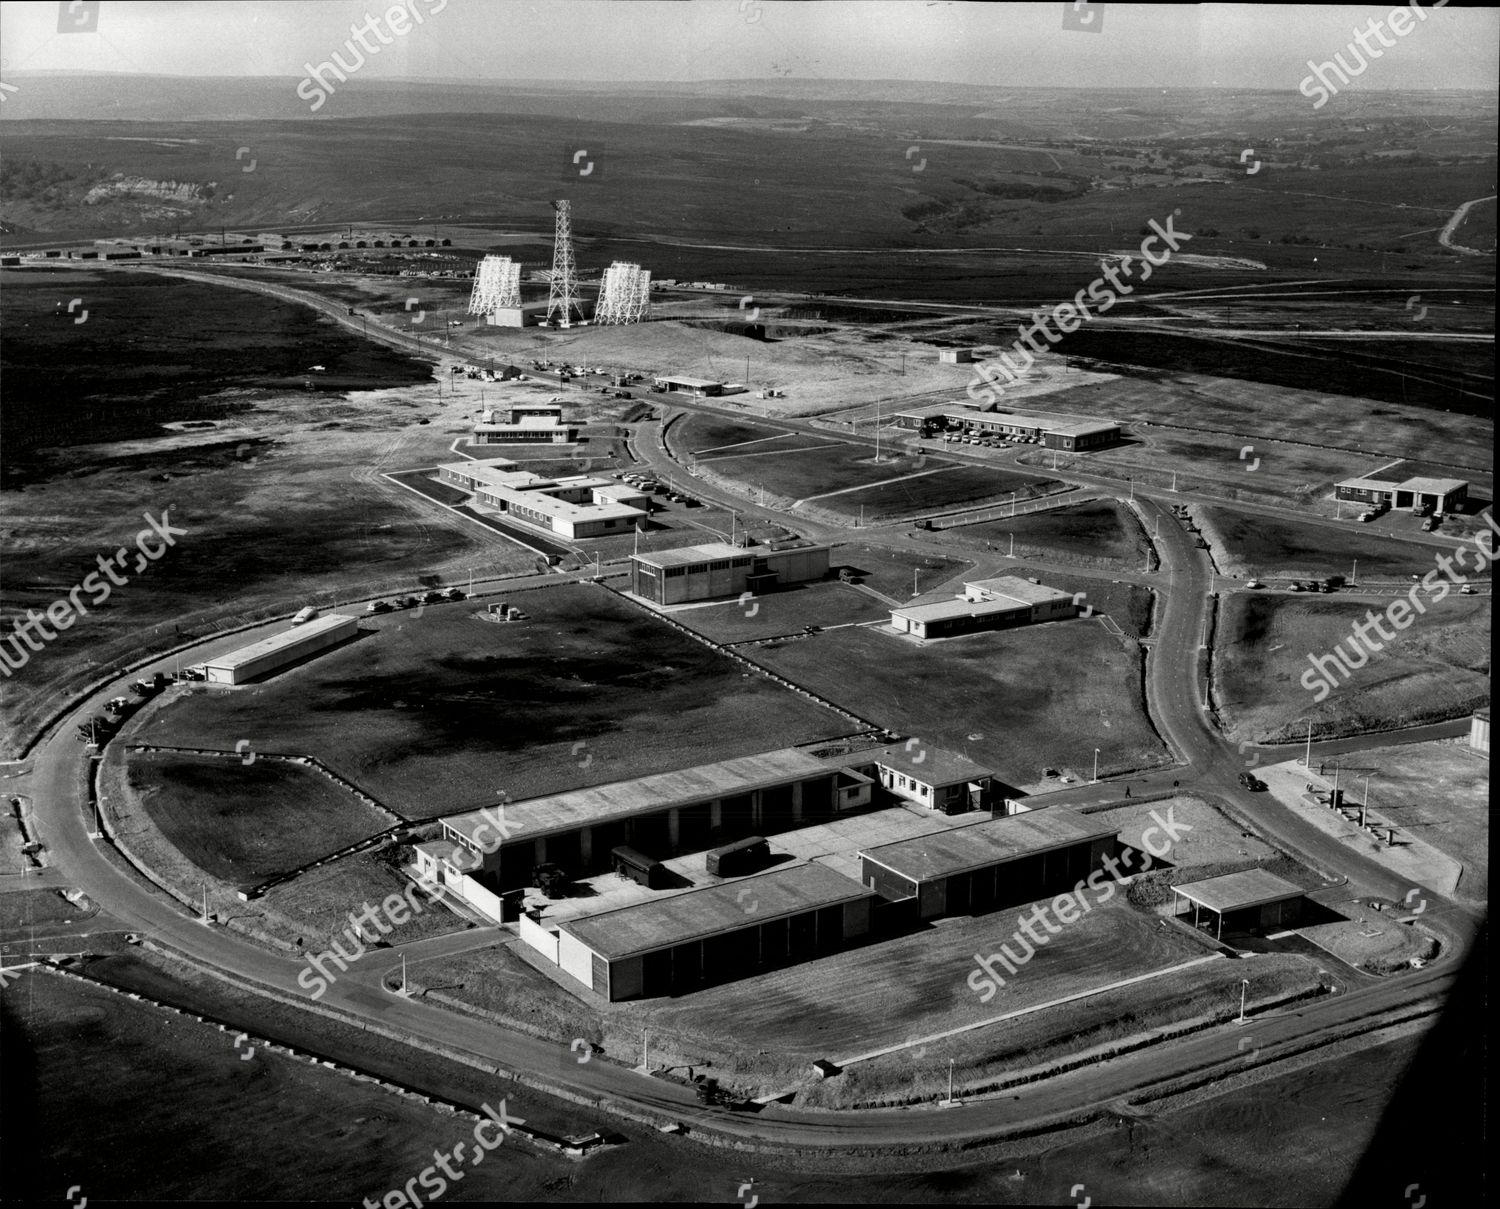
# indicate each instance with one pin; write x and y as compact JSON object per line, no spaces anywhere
{"x":1420,"y":493}
{"x":668,"y":577}
{"x":571,"y":508}
{"x":987,"y":604}
{"x":714,"y":934}
{"x":998,"y":863}
{"x":525,"y":423}
{"x":279,"y":651}
{"x":1072,"y":433}
{"x":700,"y":387}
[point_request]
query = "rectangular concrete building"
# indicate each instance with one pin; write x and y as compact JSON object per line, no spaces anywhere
{"x":994,"y":864}
{"x":686,"y":810}
{"x":667,"y":577}
{"x":1073,"y":433}
{"x":987,"y":604}
{"x":572,"y":508}
{"x":1419,"y":493}
{"x":1250,"y":900}
{"x":272,"y":654}
{"x":693,"y":386}
{"x":714,"y":934}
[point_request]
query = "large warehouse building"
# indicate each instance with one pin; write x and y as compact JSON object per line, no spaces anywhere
{"x":994,"y":864}
{"x":1073,"y":433}
{"x":694,"y":809}
{"x":714,"y":934}
{"x":987,"y":604}
{"x":572,"y":508}
{"x":274,"y":653}
{"x":668,"y":577}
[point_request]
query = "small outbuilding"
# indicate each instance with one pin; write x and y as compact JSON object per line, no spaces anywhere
{"x":1250,"y":900}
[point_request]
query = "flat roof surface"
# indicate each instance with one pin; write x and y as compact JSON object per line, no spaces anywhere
{"x":1079,"y":428}
{"x":629,"y":931}
{"x":957,"y":607}
{"x":1368,"y":484}
{"x":945,"y":853}
{"x":287,"y":638}
{"x":1020,"y":589}
{"x":715,"y":550}
{"x":930,"y":765}
{"x":1237,"y":891}
{"x":683,"y":380}
{"x":537,"y":817}
{"x":1431,"y":486}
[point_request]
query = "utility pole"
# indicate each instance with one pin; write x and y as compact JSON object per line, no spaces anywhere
{"x":1354,"y":573}
{"x":1307,"y":759}
{"x":1095,"y":781}
{"x":1012,"y":553}
{"x":1244,"y":986}
{"x":913,"y":581}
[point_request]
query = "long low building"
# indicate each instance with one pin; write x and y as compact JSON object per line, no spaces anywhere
{"x":525,"y":423}
{"x":987,"y":604}
{"x":1072,"y":433}
{"x":714,"y":934}
{"x":667,"y":577}
{"x":575,"y":507}
{"x":274,"y":653}
{"x":1420,"y":493}
{"x":694,"y":809}
{"x":1010,"y":860}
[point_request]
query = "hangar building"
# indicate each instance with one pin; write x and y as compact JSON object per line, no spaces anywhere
{"x":714,"y":934}
{"x":993,"y":864}
{"x":667,"y":577}
{"x":274,"y":653}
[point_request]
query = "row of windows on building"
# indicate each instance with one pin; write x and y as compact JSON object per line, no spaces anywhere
{"x":719,"y":564}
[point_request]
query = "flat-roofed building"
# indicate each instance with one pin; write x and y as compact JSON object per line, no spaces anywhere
{"x":685,"y":810}
{"x":574,"y":507}
{"x":668,"y":577}
{"x":1420,"y":493}
{"x":1073,"y":433}
{"x":525,"y":423}
{"x":1253,"y":899}
{"x":1479,"y":730}
{"x":693,"y":386}
{"x":987,"y":604}
{"x":715,"y":934}
{"x":1017,"y":859}
{"x":931,"y":777}
{"x":272,"y":654}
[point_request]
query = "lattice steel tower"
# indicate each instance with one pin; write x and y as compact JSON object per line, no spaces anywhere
{"x":562,"y":297}
{"x":497,"y":284}
{"x":624,"y":294}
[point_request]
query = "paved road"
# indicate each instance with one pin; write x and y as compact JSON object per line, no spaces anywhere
{"x":1174,"y":693}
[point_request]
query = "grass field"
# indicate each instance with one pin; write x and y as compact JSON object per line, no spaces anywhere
{"x":245,"y":823}
{"x":1097,"y":532}
{"x":1208,"y":838}
{"x":783,"y":612}
{"x":1437,"y":668}
{"x":439,"y":712}
{"x":1018,"y":701}
{"x":890,"y":571}
{"x":1247,"y":544}
{"x":699,"y":432}
{"x":949,"y":487}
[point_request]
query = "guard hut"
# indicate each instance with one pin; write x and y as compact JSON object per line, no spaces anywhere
{"x":1248,"y":901}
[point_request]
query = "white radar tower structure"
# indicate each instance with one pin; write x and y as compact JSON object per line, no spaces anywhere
{"x":562,"y":297}
{"x":497,"y":283}
{"x":624,"y":294}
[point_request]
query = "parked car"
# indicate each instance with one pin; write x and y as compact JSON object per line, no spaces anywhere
{"x":406,"y":602}
{"x":304,"y":615}
{"x":1294,"y":586}
{"x":1466,"y":590}
{"x":454,"y":593}
{"x":1252,"y":783}
{"x":432,"y":597}
{"x":1255,"y":583}
{"x":1366,"y":516}
{"x":378,"y":606}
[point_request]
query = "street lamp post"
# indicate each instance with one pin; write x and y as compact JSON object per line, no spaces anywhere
{"x":1095,"y":781}
{"x":1244,"y":986}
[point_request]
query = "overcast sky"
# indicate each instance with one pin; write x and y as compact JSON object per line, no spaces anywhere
{"x":1229,"y":46}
